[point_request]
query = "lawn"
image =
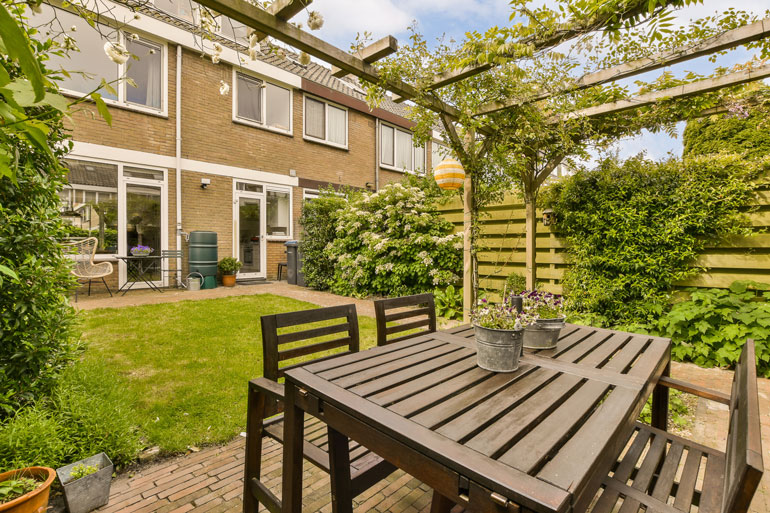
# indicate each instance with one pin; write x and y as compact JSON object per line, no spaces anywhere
{"x":185,"y":365}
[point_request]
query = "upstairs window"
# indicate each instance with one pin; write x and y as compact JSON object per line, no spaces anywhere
{"x":89,"y":65}
{"x":182,"y":9}
{"x":261,"y":103}
{"x":439,"y":152}
{"x":325,"y":122}
{"x":398,"y":152}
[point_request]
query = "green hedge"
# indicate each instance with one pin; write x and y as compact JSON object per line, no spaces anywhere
{"x":634,"y":228}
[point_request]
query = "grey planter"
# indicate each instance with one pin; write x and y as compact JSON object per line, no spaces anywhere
{"x":544,"y":334}
{"x":89,"y":492}
{"x":498,"y":350}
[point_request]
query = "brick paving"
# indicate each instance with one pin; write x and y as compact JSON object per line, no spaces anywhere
{"x":212,"y":480}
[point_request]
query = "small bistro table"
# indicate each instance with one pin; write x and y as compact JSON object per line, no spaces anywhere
{"x":539,"y":439}
{"x":138,"y":269}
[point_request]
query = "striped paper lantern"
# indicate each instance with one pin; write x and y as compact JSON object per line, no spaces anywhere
{"x":449,"y":174}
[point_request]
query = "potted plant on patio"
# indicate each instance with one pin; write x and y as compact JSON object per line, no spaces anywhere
{"x":229,"y":267}
{"x":25,"y":490}
{"x":499,"y":332}
{"x":141,"y":251}
{"x":86,"y":483}
{"x":544,"y":317}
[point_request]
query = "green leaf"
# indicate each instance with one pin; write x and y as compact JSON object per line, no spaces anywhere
{"x":104,"y":112}
{"x":8,"y":272}
{"x":18,"y":48}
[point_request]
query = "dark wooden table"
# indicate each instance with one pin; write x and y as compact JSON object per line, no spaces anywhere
{"x":537,"y":439}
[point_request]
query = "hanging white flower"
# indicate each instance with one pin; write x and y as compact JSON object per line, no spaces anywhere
{"x":253,"y":54}
{"x":304,"y":58}
{"x":215,"y":58}
{"x":280,"y":53}
{"x":74,"y":28}
{"x":37,"y":9}
{"x":253,"y":40}
{"x":116,"y":52}
{"x":314,"y":20}
{"x":134,"y":37}
{"x":224,"y":87}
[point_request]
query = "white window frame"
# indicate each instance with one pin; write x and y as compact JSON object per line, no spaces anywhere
{"x":326,"y":103}
{"x":397,"y":128}
{"x":263,"y":104}
{"x":122,"y":215}
{"x":193,"y":16}
{"x":266,"y":186}
{"x":122,"y":84}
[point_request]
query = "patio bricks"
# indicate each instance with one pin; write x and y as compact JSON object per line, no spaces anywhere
{"x":212,"y":479}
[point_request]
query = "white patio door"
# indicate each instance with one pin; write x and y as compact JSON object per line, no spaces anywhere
{"x":142,"y":216}
{"x":249,"y":230}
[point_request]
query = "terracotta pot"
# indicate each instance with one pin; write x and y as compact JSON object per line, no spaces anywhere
{"x":228,"y":280}
{"x":35,"y":501}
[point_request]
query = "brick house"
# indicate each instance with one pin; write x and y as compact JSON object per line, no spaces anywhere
{"x":180,"y":156}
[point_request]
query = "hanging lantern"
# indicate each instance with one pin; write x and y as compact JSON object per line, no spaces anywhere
{"x":449,"y":174}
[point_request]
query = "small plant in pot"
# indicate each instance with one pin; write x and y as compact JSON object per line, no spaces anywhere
{"x":499,"y":335}
{"x":544,"y":316}
{"x":229,"y":267}
{"x":25,"y":490}
{"x":86,"y":483}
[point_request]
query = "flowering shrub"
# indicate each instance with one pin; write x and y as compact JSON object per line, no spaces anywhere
{"x":392,"y":243}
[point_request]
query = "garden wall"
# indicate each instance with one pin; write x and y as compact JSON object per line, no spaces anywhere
{"x":503,"y":247}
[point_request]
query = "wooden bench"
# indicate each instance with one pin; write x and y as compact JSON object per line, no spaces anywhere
{"x":644,"y":478}
{"x":266,"y":397}
{"x":420,"y":307}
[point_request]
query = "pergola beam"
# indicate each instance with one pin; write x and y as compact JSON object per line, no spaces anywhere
{"x":673,"y":93}
{"x":729,"y":39}
{"x":372,"y":53}
{"x":284,"y":10}
{"x":266,"y":23}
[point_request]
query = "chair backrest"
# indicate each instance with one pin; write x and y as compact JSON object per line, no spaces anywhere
{"x":420,"y":310}
{"x":743,"y":457}
{"x":83,"y":255}
{"x":277,"y":348}
{"x":171,"y":253}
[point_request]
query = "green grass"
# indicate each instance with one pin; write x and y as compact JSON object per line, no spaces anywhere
{"x":186,"y":365}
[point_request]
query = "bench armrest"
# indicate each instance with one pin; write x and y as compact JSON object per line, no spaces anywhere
{"x":689,"y":388}
{"x":268,"y":386}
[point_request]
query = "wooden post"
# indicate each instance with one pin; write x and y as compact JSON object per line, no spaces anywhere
{"x":468,"y":292}
{"x":530,"y":259}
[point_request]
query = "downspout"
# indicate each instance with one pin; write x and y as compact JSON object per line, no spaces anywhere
{"x":179,"y":160}
{"x":376,"y":154}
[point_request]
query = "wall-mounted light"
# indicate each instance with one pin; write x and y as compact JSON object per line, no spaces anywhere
{"x":205,"y":182}
{"x":549,"y":217}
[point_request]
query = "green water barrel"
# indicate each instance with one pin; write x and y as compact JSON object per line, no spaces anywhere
{"x":203,"y":256}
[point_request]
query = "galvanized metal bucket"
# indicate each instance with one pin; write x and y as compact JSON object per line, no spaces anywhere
{"x":498,"y":350}
{"x":544,"y":334}
{"x":89,"y":492}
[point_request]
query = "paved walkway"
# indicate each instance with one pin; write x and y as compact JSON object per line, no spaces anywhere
{"x":280,"y":288}
{"x":211,"y":480}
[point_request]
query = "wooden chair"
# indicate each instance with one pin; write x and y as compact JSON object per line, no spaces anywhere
{"x":419,"y":306}
{"x":266,"y":400}
{"x":729,"y":479}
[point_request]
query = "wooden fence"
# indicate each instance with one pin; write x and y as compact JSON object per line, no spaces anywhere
{"x":503,"y":248}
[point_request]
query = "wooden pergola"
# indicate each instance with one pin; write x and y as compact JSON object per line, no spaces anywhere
{"x":274,"y":22}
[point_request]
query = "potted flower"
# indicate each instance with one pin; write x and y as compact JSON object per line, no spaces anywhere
{"x":229,"y":267}
{"x":25,"y":490}
{"x":86,"y":483}
{"x":499,"y":333}
{"x":543,"y":314}
{"x":141,"y":251}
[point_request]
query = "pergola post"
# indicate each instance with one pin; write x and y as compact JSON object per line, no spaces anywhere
{"x":530,"y":258}
{"x":468,"y":292}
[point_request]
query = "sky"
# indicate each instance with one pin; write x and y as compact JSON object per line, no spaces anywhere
{"x":343,"y":19}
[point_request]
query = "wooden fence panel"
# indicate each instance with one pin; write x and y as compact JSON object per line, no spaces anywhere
{"x":502,"y":248}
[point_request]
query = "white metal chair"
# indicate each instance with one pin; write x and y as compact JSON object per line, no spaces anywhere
{"x":84,"y":266}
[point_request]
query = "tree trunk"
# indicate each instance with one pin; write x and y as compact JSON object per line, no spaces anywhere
{"x":531,"y":240}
